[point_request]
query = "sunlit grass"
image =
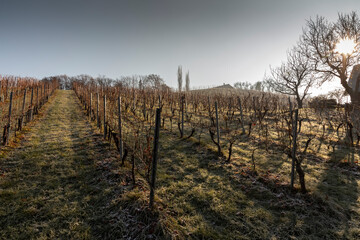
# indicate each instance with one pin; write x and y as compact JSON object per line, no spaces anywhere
{"x":51,"y":188}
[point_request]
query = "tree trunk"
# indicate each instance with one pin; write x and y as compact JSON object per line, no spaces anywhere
{"x":299,"y":103}
{"x":355,"y":100}
{"x":354,"y":113}
{"x":301,"y":176}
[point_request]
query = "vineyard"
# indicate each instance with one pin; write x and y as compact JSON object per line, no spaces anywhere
{"x":180,"y":120}
{"x":105,"y":160}
{"x":20,"y":100}
{"x":219,"y":149}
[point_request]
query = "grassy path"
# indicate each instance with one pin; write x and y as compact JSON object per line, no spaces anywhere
{"x":51,"y":187}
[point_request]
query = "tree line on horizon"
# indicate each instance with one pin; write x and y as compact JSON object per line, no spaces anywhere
{"x":151,"y":81}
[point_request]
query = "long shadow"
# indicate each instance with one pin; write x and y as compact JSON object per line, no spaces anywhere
{"x":264,"y":209}
{"x":105,"y":182}
{"x":96,"y":192}
{"x":202,"y":191}
{"x":338,"y":185}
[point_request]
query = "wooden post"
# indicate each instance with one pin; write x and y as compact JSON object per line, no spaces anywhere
{"x":293,"y":152}
{"x":23,"y":110}
{"x":104,"y":116}
{"x":241,"y":116}
{"x":90,"y":105}
{"x":97,"y":110}
{"x":291,"y":118}
{"x":120,"y":130}
{"x":155,"y":156}
{"x":217,"y":127}
{"x":31,"y":104}
{"x":37,"y":96}
{"x":182,"y":116}
{"x":9,"y":120}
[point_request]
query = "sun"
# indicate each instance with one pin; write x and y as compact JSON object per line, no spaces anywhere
{"x":345,"y":46}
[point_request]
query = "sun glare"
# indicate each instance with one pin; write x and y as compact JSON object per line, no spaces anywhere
{"x":345,"y":46}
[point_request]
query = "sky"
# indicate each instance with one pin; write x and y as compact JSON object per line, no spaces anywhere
{"x":224,"y":41}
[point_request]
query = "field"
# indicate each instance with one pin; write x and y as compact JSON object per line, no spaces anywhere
{"x":66,"y":178}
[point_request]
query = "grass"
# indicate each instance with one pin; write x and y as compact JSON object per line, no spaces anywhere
{"x":55,"y":185}
{"x":65,"y":182}
{"x":207,"y":198}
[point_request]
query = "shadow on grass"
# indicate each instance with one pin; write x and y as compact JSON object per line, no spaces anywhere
{"x":339,"y":187}
{"x":211,"y":199}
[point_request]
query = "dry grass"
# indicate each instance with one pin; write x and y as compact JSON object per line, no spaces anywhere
{"x":65,"y":182}
{"x":57,"y":184}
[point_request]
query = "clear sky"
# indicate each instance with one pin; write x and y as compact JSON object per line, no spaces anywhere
{"x":222,"y":41}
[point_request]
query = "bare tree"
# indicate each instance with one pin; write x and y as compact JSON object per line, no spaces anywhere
{"x":293,"y":77}
{"x":338,"y":94}
{"x":180,"y":78}
{"x":187,"y":82}
{"x":153,"y":81}
{"x":242,"y":85}
{"x":267,"y":84}
{"x":258,"y":86}
{"x":320,"y":37}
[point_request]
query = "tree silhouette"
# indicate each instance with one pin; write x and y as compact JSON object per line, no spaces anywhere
{"x":179,"y":78}
{"x":294,"y":77}
{"x":187,"y":82}
{"x":320,"y":38}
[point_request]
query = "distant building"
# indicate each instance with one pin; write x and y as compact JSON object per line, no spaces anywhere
{"x":228,"y":86}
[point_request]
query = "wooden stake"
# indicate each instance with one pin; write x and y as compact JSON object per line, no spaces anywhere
{"x":90,"y":105}
{"x":105,"y":117}
{"x":31,"y":104}
{"x":293,"y":152}
{"x":9,"y":120}
{"x":120,"y":130}
{"x":182,"y":117}
{"x":217,"y":127}
{"x":23,"y":110}
{"x":97,"y":110}
{"x":37,"y":96}
{"x":155,"y":156}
